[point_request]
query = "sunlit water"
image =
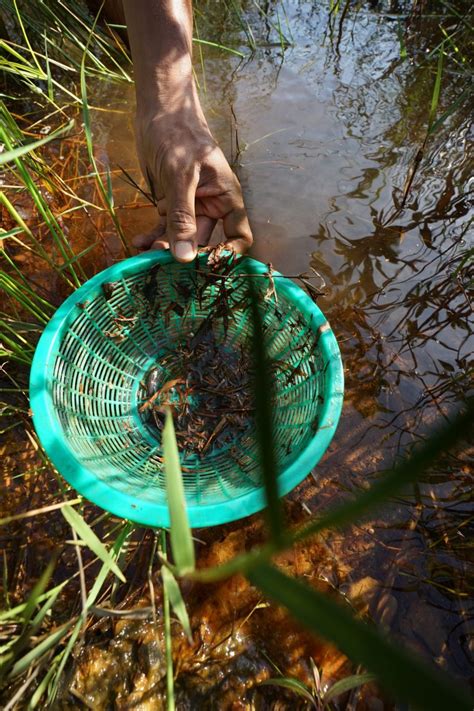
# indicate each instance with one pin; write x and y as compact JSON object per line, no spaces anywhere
{"x":326,"y":140}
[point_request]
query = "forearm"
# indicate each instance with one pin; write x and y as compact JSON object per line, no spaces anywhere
{"x":186,"y":170}
{"x":160,"y":35}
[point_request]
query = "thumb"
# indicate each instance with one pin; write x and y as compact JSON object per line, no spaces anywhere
{"x":181,"y":218}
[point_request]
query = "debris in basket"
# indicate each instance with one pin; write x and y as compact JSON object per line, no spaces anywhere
{"x":108,"y":289}
{"x":212,"y":401}
{"x":209,"y":386}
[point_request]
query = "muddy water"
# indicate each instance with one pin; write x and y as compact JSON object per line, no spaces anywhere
{"x":322,"y":140}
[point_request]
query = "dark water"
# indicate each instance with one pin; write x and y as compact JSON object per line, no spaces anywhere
{"x":327,"y":134}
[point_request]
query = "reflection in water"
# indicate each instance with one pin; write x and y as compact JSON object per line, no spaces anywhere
{"x":323,"y":140}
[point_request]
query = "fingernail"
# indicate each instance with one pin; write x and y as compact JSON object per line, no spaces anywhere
{"x":184,"y":251}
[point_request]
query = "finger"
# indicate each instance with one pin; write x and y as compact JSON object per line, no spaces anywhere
{"x":181,"y":219}
{"x":146,"y":240}
{"x":161,"y":205}
{"x":162,"y":209}
{"x":204,"y":227}
{"x":237,"y":229}
{"x":160,"y":244}
{"x":154,"y":239}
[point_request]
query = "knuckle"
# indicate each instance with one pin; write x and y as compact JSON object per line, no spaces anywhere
{"x":176,"y":157}
{"x":245,"y":237}
{"x":181,"y":220}
{"x":248,"y":238}
{"x":210,"y":173}
{"x":234,"y":192}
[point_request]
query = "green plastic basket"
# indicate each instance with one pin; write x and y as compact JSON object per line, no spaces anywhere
{"x":87,"y":384}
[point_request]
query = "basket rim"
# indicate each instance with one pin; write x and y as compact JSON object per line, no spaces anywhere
{"x":50,"y":433}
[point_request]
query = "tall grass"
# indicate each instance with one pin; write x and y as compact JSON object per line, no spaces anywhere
{"x":55,"y":53}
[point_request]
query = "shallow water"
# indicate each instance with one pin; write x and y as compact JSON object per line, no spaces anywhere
{"x":327,"y":135}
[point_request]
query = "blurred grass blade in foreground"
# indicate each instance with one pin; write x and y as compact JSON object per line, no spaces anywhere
{"x":170,"y":584}
{"x":264,"y":403}
{"x":442,"y":440}
{"x":181,"y":539}
{"x":398,"y":672}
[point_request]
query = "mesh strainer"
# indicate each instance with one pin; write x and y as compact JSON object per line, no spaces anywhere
{"x":89,"y":382}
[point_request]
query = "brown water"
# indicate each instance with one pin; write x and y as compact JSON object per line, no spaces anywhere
{"x":326,"y":141}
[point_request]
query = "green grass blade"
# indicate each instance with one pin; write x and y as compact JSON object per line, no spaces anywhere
{"x":37,"y":591}
{"x":8,"y":156}
{"x":399,"y":672}
{"x":90,"y":149}
{"x":37,"y":652}
{"x":436,"y":89}
{"x":263,"y":390}
{"x":91,"y":598}
{"x":49,"y":80}
{"x":86,"y":533}
{"x":7,"y":661}
{"x":64,"y":656}
{"x":180,"y":532}
{"x":42,"y":686}
{"x":450,"y":110}
{"x":25,"y":36}
{"x":110,"y":194}
{"x":14,"y":613}
{"x":293,"y":685}
{"x":440,"y":442}
{"x":198,"y":40}
{"x":170,"y":702}
{"x":39,"y":617}
{"x":10,"y":233}
{"x":26,"y":172}
{"x":347,"y":684}
{"x":276,"y":27}
{"x":23,"y":293}
{"x":28,"y":632}
{"x":176,"y":599}
{"x":409,"y":471}
{"x":401,"y":39}
{"x":104,"y":571}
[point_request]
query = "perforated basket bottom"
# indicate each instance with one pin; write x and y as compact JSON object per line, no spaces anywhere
{"x":121,"y":330}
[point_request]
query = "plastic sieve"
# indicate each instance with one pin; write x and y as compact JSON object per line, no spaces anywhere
{"x":88,"y":385}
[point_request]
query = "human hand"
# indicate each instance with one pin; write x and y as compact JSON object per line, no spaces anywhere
{"x":192,"y":182}
{"x":187,"y":172}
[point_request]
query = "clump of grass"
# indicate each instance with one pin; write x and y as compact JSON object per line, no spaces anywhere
{"x":45,"y":168}
{"x":49,"y":40}
{"x":319,"y":695}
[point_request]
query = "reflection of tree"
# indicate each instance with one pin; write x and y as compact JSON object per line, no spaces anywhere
{"x":404,"y":321}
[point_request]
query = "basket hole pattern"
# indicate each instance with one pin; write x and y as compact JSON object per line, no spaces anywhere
{"x":97,"y":383}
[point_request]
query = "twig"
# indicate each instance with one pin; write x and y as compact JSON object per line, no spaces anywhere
{"x":36,"y":512}
{"x":13,"y":701}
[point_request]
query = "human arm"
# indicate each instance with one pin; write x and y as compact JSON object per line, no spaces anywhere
{"x":191,"y":179}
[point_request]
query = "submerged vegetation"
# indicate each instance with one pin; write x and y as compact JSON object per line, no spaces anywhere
{"x":72,"y":575}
